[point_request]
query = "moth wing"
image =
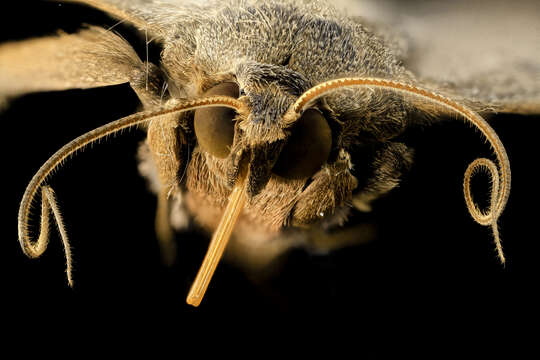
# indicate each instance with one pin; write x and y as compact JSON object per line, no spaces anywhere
{"x":483,"y":51}
{"x":92,"y":57}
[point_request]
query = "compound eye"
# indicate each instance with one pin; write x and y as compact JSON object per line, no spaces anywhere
{"x":214,"y":126}
{"x":307,"y":148}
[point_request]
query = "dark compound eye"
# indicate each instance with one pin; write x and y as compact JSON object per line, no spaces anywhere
{"x":307,"y":148}
{"x":214,"y":126}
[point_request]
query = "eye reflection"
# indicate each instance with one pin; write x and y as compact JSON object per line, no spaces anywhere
{"x":307,"y":148}
{"x":214,"y":126}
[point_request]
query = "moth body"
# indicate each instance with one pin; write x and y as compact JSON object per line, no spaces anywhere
{"x":269,"y":122}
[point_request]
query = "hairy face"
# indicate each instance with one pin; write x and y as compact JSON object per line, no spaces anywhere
{"x":316,"y":164}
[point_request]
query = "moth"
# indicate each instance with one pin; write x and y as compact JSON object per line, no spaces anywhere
{"x":270,"y":122}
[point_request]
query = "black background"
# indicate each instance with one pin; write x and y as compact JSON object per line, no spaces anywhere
{"x":431,"y":268}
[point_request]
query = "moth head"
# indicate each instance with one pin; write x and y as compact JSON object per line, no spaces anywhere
{"x":279,"y":158}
